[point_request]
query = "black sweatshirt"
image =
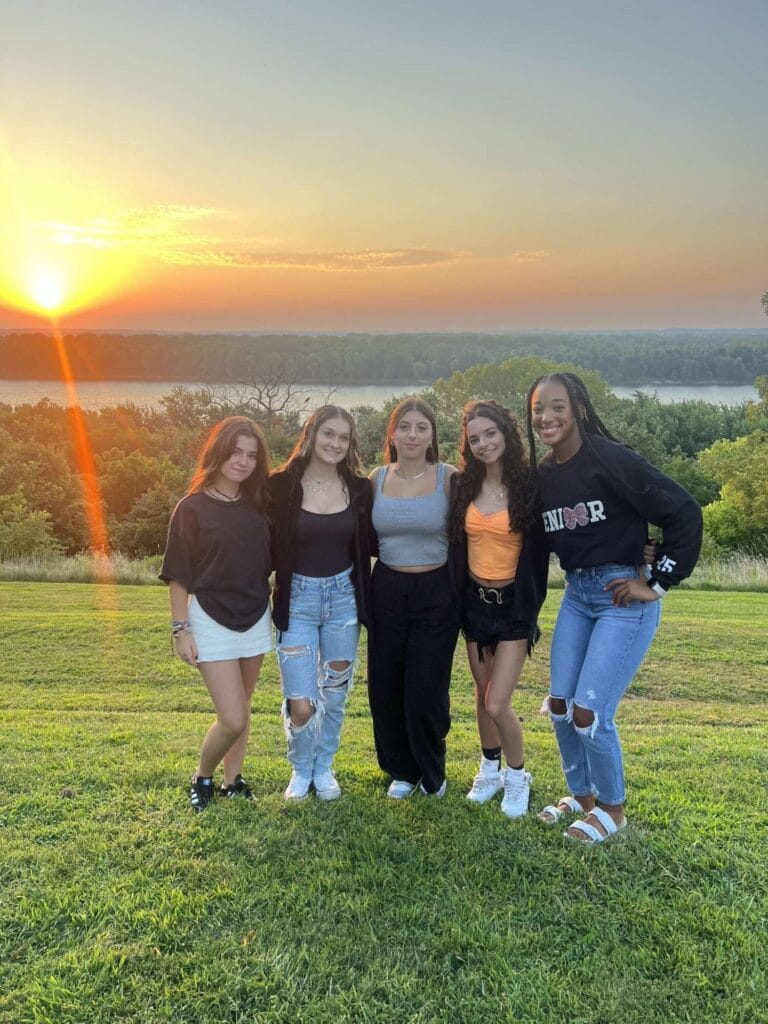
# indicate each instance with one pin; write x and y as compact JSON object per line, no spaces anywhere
{"x":598,"y":504}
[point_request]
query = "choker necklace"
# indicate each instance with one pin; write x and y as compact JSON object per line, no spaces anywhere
{"x":418,"y":476}
{"x":221,"y":494}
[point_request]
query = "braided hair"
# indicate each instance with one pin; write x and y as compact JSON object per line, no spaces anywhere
{"x":515,"y":472}
{"x":587,"y":419}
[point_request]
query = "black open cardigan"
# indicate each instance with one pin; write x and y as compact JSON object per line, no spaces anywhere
{"x":530,"y":578}
{"x":284,"y":496}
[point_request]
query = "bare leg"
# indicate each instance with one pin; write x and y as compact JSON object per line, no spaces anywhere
{"x":225,"y":685}
{"x":481,"y":673}
{"x":504,"y":673}
{"x":235,"y":756}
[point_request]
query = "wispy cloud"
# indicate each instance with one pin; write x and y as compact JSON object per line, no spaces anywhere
{"x":177,"y":235}
{"x":374,"y":259}
{"x":150,"y":227}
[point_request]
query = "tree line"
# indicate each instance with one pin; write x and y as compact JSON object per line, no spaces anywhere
{"x":143,"y":457}
{"x":624,"y":358}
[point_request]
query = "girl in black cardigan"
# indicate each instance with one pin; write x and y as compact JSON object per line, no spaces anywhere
{"x":500,"y":553}
{"x":320,"y":513}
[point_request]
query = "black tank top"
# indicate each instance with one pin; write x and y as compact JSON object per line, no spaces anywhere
{"x":324,"y":542}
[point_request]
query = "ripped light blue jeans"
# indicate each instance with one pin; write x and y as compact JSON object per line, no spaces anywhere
{"x":323,"y":627}
{"x":597,"y":648}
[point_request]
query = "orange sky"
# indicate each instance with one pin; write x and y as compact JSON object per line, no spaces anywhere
{"x":399,"y":167}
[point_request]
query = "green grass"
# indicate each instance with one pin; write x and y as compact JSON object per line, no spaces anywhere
{"x":117,"y":904}
{"x":725,"y":572}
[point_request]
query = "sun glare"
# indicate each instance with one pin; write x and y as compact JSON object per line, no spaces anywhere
{"x":47,"y":289}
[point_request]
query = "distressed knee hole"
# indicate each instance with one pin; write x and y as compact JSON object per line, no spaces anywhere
{"x":336,"y":674}
{"x":582,"y":717}
{"x":558,"y":708}
{"x":298,"y":717}
{"x":285,"y":653}
{"x":585,"y":722}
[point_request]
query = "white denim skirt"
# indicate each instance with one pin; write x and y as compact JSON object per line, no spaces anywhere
{"x":217,"y":643}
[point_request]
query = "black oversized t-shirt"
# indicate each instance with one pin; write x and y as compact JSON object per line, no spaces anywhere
{"x":219,"y":551}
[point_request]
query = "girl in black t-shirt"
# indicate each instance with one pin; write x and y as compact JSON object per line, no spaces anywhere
{"x":217,"y":564}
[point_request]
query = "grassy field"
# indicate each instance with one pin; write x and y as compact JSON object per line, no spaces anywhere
{"x":117,"y":904}
{"x":734,"y":571}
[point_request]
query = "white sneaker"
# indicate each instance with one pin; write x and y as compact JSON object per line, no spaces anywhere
{"x":298,"y":787}
{"x":326,"y":786}
{"x":488,"y":781}
{"x":517,"y":789}
{"x":438,"y":792}
{"x":399,"y":790}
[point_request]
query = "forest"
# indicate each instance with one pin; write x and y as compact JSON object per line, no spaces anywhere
{"x":628,"y":358}
{"x":143,"y":457}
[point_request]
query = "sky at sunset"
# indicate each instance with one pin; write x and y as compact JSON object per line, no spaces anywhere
{"x":303,"y":166}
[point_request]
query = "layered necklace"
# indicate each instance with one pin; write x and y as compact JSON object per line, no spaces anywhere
{"x":498,"y":491}
{"x":317,"y":486}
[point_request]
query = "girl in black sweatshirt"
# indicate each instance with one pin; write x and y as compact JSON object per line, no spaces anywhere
{"x":598,"y":497}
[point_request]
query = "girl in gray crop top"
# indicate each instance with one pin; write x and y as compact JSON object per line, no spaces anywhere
{"x":412,"y":530}
{"x":415,"y":619}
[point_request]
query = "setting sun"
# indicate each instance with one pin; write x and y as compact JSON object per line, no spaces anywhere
{"x":47,"y":289}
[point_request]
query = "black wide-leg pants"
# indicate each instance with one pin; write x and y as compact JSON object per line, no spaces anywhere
{"x":411,"y":640}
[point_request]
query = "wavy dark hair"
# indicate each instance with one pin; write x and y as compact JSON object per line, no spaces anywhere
{"x":584,"y":412}
{"x":515,"y":471}
{"x":219,"y":446}
{"x":411,"y":404}
{"x":349,"y":467}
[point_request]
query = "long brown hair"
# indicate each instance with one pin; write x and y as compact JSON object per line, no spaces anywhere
{"x":219,"y":446}
{"x":412,"y":404}
{"x":515,"y":471}
{"x":350,"y":466}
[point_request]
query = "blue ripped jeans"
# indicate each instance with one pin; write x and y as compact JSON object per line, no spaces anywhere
{"x":322,"y":628}
{"x":597,"y":648}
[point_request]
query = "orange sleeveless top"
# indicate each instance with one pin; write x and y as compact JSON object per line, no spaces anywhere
{"x":493,"y":550}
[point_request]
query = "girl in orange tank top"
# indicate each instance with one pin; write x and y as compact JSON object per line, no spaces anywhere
{"x":493,"y":518}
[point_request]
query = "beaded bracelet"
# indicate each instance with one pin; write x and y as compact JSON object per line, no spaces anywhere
{"x":179,"y":626}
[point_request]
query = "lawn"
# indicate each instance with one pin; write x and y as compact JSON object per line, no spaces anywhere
{"x":118,"y":904}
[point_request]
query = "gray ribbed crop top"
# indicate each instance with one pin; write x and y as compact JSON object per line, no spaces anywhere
{"x":412,"y":531}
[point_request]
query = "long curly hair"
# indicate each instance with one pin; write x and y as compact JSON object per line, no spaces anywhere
{"x":349,"y":467}
{"x":515,"y":471}
{"x":584,"y":412}
{"x":219,"y":446}
{"x":412,"y":404}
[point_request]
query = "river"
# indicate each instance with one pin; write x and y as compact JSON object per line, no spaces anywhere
{"x":99,"y":394}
